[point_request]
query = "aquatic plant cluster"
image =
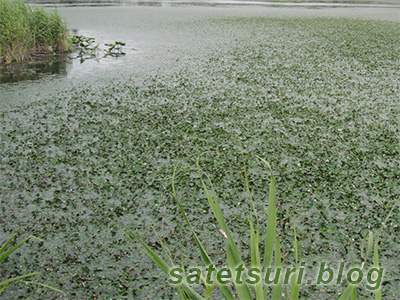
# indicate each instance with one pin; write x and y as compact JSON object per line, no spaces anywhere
{"x":84,"y":48}
{"x":316,"y":97}
{"x":27,"y":31}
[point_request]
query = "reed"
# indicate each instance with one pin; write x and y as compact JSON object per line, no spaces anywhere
{"x":26,"y":32}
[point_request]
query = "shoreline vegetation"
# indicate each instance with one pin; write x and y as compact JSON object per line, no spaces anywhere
{"x":27,"y":32}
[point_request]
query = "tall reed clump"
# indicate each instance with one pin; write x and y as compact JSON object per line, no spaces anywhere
{"x":267,"y":258}
{"x":26,"y":32}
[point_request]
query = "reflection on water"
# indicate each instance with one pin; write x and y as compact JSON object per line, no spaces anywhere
{"x":84,"y":49}
{"x":34,"y":70}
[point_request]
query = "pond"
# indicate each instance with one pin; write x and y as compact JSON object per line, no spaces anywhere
{"x":313,"y":89}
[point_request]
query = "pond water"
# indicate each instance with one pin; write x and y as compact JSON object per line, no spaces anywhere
{"x":159,"y":39}
{"x":318,"y":98}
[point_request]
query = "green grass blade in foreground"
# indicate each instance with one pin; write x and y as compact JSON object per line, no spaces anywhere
{"x":351,"y":288}
{"x":234,"y":258}
{"x":370,"y":237}
{"x":277,"y":288}
{"x":255,"y":256}
{"x":295,"y":285}
{"x":347,"y":292}
{"x":6,"y":254}
{"x":191,"y":293}
{"x":378,"y":292}
{"x":7,"y":282}
{"x":354,"y":294}
{"x":164,"y":246}
{"x":209,"y":290}
{"x":133,"y":237}
{"x":242,"y":289}
{"x":271,"y":222}
{"x":213,"y":201}
{"x":45,"y":286}
{"x":254,"y":240}
{"x":206,"y":258}
{"x":9,"y":241}
{"x":214,"y":204}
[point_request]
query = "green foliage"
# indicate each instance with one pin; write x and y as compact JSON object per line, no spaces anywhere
{"x":26,"y":31}
{"x":115,"y":49}
{"x":233,"y":257}
{"x":85,"y":48}
{"x":6,"y":250}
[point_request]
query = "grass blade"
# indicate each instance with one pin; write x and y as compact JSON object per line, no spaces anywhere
{"x":5,"y":283}
{"x":203,"y":252}
{"x":370,"y":237}
{"x":206,"y":258}
{"x":295,"y":286}
{"x":354,"y":294}
{"x":271,"y":222}
{"x":133,"y":237}
{"x":45,"y":286}
{"x":9,"y":252}
{"x":347,"y":292}
{"x":9,"y":241}
{"x":277,"y":289}
{"x":233,"y":255}
{"x":378,"y":292}
{"x":242,"y":289}
{"x":255,"y":257}
{"x":214,"y":204}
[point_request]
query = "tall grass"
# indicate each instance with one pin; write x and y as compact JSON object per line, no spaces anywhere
{"x":26,"y":31}
{"x":272,"y":251}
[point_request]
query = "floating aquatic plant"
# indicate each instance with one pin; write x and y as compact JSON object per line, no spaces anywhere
{"x":85,"y":48}
{"x":115,"y":49}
